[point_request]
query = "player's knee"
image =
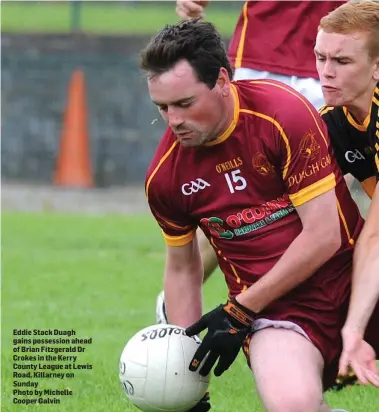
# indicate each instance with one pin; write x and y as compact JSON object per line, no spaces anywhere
{"x":302,"y":400}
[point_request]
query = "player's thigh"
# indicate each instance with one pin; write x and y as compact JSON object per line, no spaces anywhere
{"x":288,"y":370}
{"x":208,"y":255}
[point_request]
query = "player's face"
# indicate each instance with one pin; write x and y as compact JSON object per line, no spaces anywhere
{"x":346,"y":70}
{"x":195,"y":113}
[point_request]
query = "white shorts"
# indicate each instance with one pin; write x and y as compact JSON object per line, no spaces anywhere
{"x":263,"y":323}
{"x":308,"y":87}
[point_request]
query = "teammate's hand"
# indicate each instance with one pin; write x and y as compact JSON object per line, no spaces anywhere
{"x":203,"y":406}
{"x":228,"y":326}
{"x":358,"y":357}
{"x":190,"y":9}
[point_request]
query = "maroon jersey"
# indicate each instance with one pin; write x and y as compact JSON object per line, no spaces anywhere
{"x":242,"y":189}
{"x":279,"y":36}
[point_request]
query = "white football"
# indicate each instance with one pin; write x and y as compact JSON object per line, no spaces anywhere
{"x":154,"y":370}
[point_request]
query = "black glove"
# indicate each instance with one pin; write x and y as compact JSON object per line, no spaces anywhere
{"x":228,"y":325}
{"x":203,"y":406}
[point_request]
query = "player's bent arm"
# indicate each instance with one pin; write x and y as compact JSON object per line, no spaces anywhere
{"x":365,"y":288}
{"x":182,"y":284}
{"x":317,"y":242}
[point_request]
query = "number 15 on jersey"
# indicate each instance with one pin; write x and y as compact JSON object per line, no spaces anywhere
{"x":235,"y":181}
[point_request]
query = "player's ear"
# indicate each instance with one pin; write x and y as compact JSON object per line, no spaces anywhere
{"x":223,"y":82}
{"x":376,"y":70}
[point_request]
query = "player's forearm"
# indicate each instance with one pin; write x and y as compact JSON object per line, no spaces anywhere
{"x":365,"y":291}
{"x":303,"y":257}
{"x":365,"y":288}
{"x":183,"y":295}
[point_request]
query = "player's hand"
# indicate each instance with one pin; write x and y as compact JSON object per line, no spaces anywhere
{"x":358,"y":357}
{"x":203,"y":406}
{"x":190,"y":9}
{"x":228,"y":326}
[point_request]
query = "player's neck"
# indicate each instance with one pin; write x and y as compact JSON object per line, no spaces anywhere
{"x":361,"y":107}
{"x":229,"y":114}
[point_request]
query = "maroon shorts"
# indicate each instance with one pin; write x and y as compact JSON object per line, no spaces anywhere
{"x":320,"y":309}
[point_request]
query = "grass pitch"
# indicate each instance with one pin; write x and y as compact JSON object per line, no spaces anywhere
{"x":99,"y":275}
{"x":121,"y":17}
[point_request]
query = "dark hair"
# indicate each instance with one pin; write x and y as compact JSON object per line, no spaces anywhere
{"x":194,"y":40}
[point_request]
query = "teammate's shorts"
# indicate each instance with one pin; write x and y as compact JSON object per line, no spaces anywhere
{"x":318,"y":316}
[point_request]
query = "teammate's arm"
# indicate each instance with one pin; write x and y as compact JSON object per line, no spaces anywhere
{"x":317,"y":242}
{"x":365,"y":288}
{"x":182,"y":284}
{"x":356,"y":353}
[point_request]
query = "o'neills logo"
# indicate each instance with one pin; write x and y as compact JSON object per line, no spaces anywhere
{"x":310,"y":170}
{"x":309,"y":147}
{"x":262,"y":165}
{"x":229,"y":165}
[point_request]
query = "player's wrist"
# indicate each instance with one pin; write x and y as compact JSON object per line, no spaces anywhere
{"x":352,"y":329}
{"x":242,"y":314}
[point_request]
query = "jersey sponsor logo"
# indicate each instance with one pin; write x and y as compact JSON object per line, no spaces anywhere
{"x":310,"y":170}
{"x":229,"y":165}
{"x":250,"y":219}
{"x":194,"y":186}
{"x":262,"y":165}
{"x":309,"y":147}
{"x":352,"y":155}
{"x":214,"y":225}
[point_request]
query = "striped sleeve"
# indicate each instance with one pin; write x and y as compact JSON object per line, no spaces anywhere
{"x":177,"y":228}
{"x":306,"y":166}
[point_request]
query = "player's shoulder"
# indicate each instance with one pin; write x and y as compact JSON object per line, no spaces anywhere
{"x":330,"y":111}
{"x":161,"y":161}
{"x":271,"y":98}
{"x":334,"y":117}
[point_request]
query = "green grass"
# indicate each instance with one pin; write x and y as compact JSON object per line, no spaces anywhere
{"x":99,"y":275}
{"x":118,"y":18}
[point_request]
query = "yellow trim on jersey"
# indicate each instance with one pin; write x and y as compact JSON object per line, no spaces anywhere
{"x":299,"y":97}
{"x":282,"y":133}
{"x":219,"y":252}
{"x":362,"y":127}
{"x":375,"y":100}
{"x":325,"y":109}
{"x":164,"y":157}
{"x":369,"y":186}
{"x":377,"y":161}
{"x":179,"y":240}
{"x":342,"y":217}
{"x":234,"y":122}
{"x":233,"y":270}
{"x":174,"y":225}
{"x":214,"y":245}
{"x":316,"y":189}
{"x":241,"y":43}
